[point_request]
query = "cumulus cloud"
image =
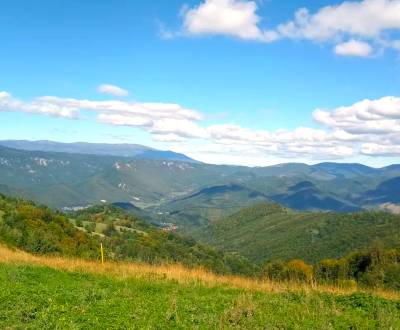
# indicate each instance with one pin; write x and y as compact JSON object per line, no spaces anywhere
{"x":112,"y":90}
{"x":353,"y":48}
{"x":37,"y":106}
{"x":379,"y":117}
{"x":237,"y":18}
{"x":367,"y":127}
{"x":351,"y":25}
{"x":368,"y":18}
{"x":373,"y":123}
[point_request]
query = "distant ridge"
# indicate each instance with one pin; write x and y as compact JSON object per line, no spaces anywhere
{"x":170,"y":184}
{"x":100,"y":149}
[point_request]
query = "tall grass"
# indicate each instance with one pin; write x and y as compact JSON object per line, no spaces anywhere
{"x":178,"y":273}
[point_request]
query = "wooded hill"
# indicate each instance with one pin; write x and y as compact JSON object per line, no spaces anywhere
{"x":38,"y":229}
{"x":269,"y":231}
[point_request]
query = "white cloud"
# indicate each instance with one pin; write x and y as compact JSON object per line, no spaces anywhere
{"x":112,"y":90}
{"x":38,"y":106}
{"x":377,"y":117}
{"x":368,"y":18}
{"x":353,"y":48}
{"x":121,"y":120}
{"x":374,"y":149}
{"x":128,"y":109}
{"x":368,"y":127}
{"x":353,"y":26}
{"x":358,"y":22}
{"x":236,"y":18}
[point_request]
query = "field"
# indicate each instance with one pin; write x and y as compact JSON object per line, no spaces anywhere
{"x":49,"y":293}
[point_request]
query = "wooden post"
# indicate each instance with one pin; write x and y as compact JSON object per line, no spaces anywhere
{"x":102,"y":253}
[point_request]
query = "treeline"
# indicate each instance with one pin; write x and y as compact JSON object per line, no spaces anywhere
{"x":373,"y":267}
{"x":38,"y":229}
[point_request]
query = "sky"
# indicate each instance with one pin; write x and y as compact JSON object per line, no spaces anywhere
{"x":224,"y":81}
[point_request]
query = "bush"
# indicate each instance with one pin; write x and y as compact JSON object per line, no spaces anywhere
{"x":298,"y":270}
{"x":331,"y":270}
{"x":90,"y":227}
{"x":392,"y":277}
{"x":274,"y":270}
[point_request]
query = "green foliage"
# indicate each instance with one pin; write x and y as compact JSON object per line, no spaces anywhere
{"x":373,"y":267}
{"x":60,"y":179}
{"x":37,"y":229}
{"x":294,"y":270}
{"x":331,"y":270}
{"x":78,"y":223}
{"x":90,"y":227}
{"x":42,"y":298}
{"x":391,"y":278}
{"x":298,"y":270}
{"x":274,"y":270}
{"x":268,"y":231}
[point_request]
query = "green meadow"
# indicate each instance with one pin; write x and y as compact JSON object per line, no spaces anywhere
{"x":36,"y":297}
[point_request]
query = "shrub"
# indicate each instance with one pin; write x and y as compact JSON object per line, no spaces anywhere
{"x":330,"y":270}
{"x":392,"y":277}
{"x":90,"y":227}
{"x":274,"y":270}
{"x":298,"y":270}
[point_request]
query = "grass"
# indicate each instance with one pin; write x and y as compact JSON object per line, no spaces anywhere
{"x":59,"y":293}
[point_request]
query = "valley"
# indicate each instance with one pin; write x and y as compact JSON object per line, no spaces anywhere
{"x":241,"y":240}
{"x":188,"y":193}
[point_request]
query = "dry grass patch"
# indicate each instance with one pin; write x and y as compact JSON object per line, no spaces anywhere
{"x":178,"y":273}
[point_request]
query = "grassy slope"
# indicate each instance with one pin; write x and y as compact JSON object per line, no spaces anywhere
{"x":266,"y":231}
{"x":131,"y":297}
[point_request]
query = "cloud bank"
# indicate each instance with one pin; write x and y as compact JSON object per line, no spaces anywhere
{"x":367,"y":127}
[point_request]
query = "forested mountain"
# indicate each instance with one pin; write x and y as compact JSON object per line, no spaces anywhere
{"x":270,"y":231}
{"x":189,"y":193}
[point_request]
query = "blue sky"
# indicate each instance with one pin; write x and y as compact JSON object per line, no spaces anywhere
{"x":225,"y":81}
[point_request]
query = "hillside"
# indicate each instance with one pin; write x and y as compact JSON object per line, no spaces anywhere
{"x":72,"y":180}
{"x":269,"y":231}
{"x":37,"y":292}
{"x":86,"y":174}
{"x":208,"y":204}
{"x":305,"y":195}
{"x":386,"y":191}
{"x":37,"y":229}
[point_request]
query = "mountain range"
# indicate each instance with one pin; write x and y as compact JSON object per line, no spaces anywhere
{"x":172,"y":187}
{"x":120,"y":150}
